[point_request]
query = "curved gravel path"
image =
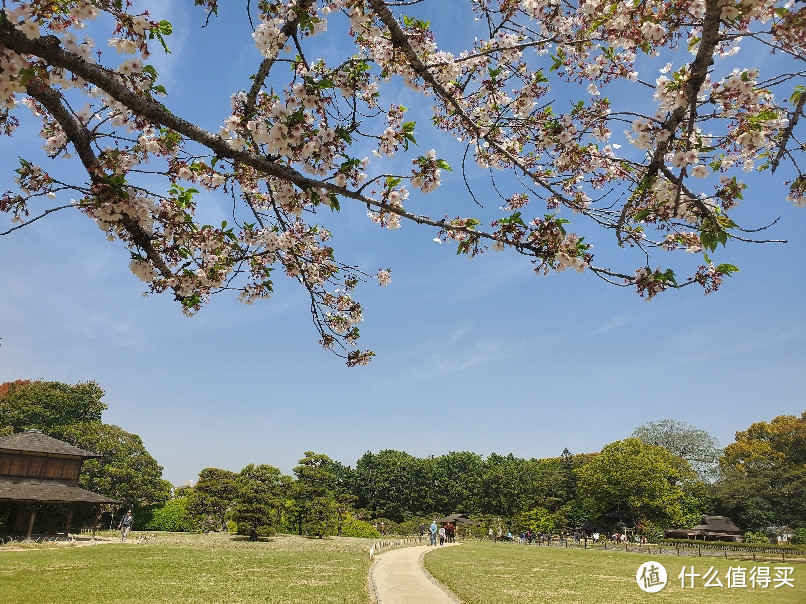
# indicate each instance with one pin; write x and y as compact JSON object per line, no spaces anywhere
{"x":398,"y":577}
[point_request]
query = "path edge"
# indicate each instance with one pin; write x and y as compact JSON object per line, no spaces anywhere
{"x":433,"y":579}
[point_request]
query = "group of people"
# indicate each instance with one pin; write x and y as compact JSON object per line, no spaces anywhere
{"x":444,"y":533}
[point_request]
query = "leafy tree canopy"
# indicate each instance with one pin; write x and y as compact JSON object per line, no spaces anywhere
{"x":697,"y":447}
{"x":262,"y":493}
{"x":213,"y":496}
{"x":765,"y":474}
{"x":48,"y":406}
{"x":641,"y":482}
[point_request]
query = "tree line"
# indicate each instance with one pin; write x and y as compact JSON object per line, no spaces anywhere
{"x":666,"y":475}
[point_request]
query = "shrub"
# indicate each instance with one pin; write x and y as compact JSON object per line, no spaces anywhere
{"x":751,"y":537}
{"x":169,"y":516}
{"x":359,"y":528}
{"x":410,"y":527}
{"x":652,"y":532}
{"x":799,"y":537}
{"x":389,"y":525}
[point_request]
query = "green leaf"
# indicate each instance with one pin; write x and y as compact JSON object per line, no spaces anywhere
{"x":26,"y":75}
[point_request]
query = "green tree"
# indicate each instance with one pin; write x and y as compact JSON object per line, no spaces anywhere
{"x":502,"y":486}
{"x":459,"y":480}
{"x":765,"y":474}
{"x":262,"y":493}
{"x":125,"y":470}
{"x":214,"y":495}
{"x":48,"y":406}
{"x":697,"y":447}
{"x":391,"y":484}
{"x":632,"y":481}
{"x":536,"y":520}
{"x":314,"y":493}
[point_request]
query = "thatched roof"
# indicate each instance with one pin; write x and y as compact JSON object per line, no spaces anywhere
{"x":36,"y":443}
{"x":46,"y":492}
{"x":456,"y":518}
{"x":717,"y":524}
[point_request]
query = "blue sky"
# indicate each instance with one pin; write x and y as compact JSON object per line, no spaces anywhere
{"x":477,"y":355}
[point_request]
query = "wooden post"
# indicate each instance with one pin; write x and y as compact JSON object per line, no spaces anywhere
{"x":31,"y":521}
{"x":69,"y":520}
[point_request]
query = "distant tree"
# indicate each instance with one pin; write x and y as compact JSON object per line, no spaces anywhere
{"x":697,"y":447}
{"x":569,"y":478}
{"x":389,"y":484}
{"x":262,"y":493}
{"x":635,"y":482}
{"x":314,"y":494}
{"x":459,"y":477}
{"x":125,"y":470}
{"x":213,"y":497}
{"x":537,"y":520}
{"x":48,"y":406}
{"x":765,"y":474}
{"x":502,"y":486}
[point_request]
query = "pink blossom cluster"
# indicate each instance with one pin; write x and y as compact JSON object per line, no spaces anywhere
{"x":591,"y":109}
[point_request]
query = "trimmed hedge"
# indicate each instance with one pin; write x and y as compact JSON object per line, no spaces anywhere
{"x":736,"y":546}
{"x":170,"y":516}
{"x":359,"y":528}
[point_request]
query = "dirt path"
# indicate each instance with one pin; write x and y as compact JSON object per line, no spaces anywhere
{"x":398,"y":577}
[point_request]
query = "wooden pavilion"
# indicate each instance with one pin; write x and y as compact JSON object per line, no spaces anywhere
{"x":37,"y":469}
{"x":712,"y":528}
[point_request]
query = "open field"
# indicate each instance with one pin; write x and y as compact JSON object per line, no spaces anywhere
{"x":212,"y":568}
{"x":483,"y":572}
{"x":221,"y":568}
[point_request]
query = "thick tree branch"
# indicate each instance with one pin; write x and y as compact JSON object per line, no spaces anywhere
{"x":78,"y":134}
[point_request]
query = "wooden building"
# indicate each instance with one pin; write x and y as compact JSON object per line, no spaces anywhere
{"x":37,"y":469}
{"x":711,"y":528}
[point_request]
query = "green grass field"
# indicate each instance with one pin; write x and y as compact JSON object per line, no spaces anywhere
{"x":221,"y":568}
{"x":191,"y":568}
{"x":485,"y":573}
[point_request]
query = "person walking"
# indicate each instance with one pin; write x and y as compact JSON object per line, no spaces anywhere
{"x":126,"y":525}
{"x":432,"y":532}
{"x":442,"y":535}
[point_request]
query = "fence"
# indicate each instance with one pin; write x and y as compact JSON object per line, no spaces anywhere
{"x":385,"y":544}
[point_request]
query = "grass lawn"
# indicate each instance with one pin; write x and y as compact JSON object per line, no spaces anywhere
{"x":483,"y":573}
{"x":190,"y":568}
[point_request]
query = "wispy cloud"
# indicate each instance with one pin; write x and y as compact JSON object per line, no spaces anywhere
{"x":612,"y":323}
{"x":458,"y":352}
